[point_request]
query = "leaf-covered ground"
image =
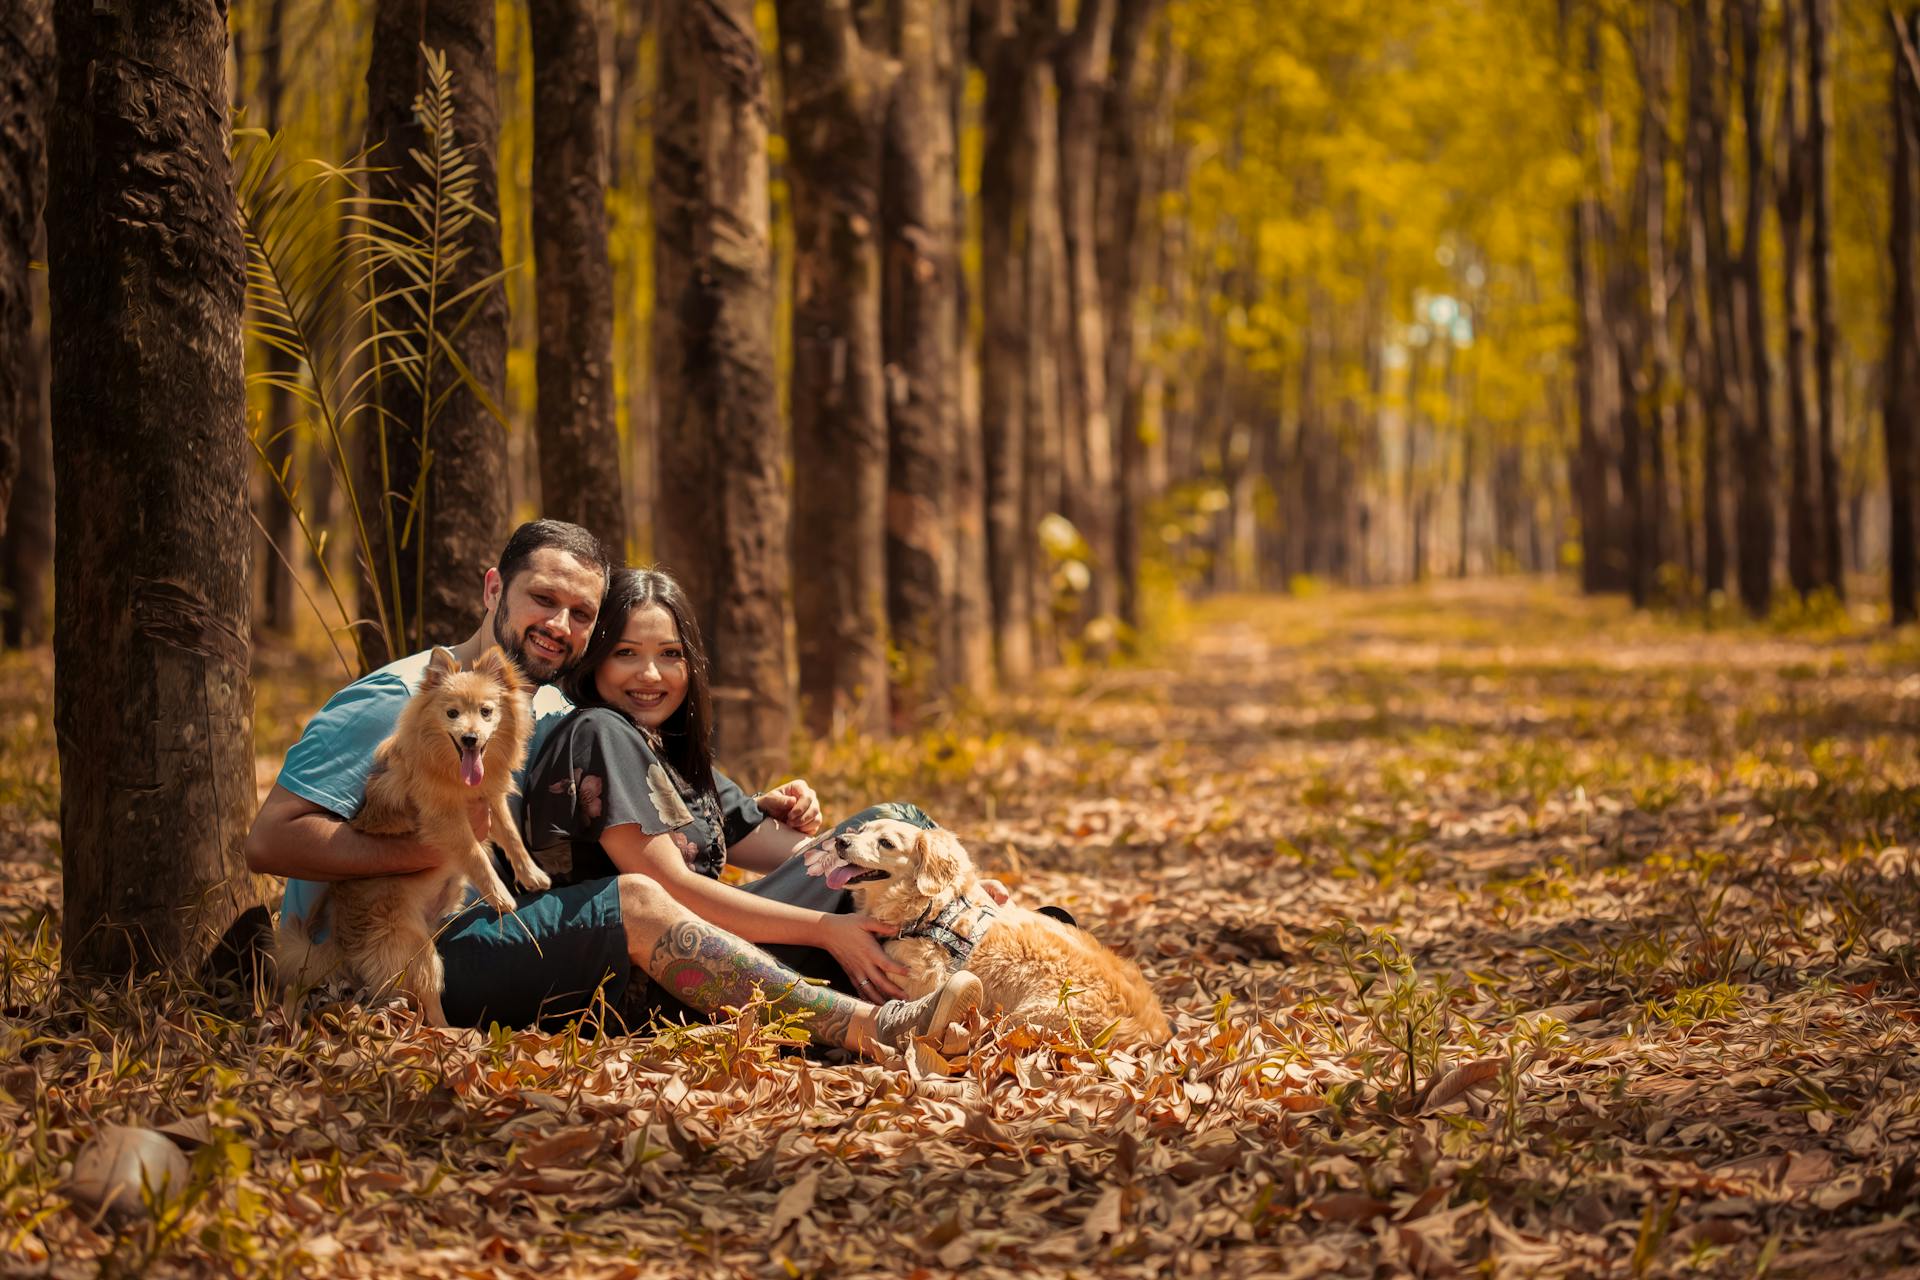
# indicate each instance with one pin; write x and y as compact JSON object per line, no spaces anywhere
{"x":1509,"y":934}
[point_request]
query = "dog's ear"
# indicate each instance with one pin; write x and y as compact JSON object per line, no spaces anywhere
{"x":440,"y":665}
{"x":939,"y":862}
{"x":495,"y":664}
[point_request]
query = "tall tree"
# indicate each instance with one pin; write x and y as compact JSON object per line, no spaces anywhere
{"x":1706,"y":185}
{"x":26,"y":53}
{"x":1804,"y":562}
{"x":276,"y":510}
{"x":1819,"y":173}
{"x":1597,"y":388}
{"x":922,"y":345}
{"x":1124,"y":156}
{"x":573,"y":278}
{"x":433,"y":551}
{"x":152,"y":700}
{"x":1903,"y":341}
{"x":1656,"y":142}
{"x":721,"y":516}
{"x":1008,"y":45}
{"x":970,"y":607}
{"x":1052,"y":397}
{"x":835,"y":92}
{"x":1081,"y":73}
{"x":1757,"y":493}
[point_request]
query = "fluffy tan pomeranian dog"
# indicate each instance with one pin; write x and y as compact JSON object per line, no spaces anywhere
{"x":461,"y":736}
{"x":1039,"y":970}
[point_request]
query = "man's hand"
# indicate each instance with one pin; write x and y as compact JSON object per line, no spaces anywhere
{"x":794,"y":804}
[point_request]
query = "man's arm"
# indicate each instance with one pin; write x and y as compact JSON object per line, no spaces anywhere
{"x":300,"y":840}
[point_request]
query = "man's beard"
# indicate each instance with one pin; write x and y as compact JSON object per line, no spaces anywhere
{"x":530,"y":664}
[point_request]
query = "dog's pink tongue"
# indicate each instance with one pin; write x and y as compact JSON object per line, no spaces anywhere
{"x":838,"y":877}
{"x":473,"y":769}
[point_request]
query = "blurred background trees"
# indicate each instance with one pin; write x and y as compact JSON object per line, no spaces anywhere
{"x":935,"y":341}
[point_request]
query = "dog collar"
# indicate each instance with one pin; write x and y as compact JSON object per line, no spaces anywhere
{"x":956,"y":927}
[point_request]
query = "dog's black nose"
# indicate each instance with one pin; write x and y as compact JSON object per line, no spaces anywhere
{"x":470,"y":740}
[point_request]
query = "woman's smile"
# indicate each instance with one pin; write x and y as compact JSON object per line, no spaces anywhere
{"x":646,"y":674}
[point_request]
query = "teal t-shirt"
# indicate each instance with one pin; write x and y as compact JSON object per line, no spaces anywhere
{"x":330,"y":763}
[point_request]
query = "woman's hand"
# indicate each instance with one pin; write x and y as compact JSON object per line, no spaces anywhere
{"x":794,"y":804}
{"x":852,"y":940}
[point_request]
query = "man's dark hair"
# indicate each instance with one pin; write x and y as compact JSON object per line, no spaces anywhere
{"x":540,"y":535}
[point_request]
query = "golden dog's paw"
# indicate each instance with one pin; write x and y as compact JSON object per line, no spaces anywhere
{"x":533,"y":880}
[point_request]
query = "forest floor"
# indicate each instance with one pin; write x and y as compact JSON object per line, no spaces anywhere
{"x":1508,"y":932}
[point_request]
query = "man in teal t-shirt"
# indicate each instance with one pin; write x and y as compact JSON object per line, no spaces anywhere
{"x":540,"y":602}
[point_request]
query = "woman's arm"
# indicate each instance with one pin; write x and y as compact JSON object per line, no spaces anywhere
{"x":766,"y":847}
{"x":850,"y":938}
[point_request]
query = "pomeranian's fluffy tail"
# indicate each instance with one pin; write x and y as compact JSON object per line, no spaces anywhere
{"x":298,"y":960}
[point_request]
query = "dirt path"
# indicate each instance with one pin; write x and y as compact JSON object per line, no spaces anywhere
{"x":1506,"y":931}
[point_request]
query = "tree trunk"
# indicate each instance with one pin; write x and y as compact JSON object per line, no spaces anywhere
{"x":1052,"y":397}
{"x":275,"y":556}
{"x":432,"y":571}
{"x":26,"y":447}
{"x":1706,"y":152}
{"x":1661,"y":417}
{"x":920,"y":293}
{"x":971,"y":606}
{"x":1757,"y":481}
{"x":835,"y":94}
{"x":26,"y":548}
{"x":1120,"y":263}
{"x":1804,"y":561}
{"x":1903,"y":350}
{"x":1012,"y":124}
{"x":573,"y":278}
{"x":721,"y":516}
{"x":26,"y":64}
{"x":152,"y":702}
{"x":1819,"y":174}
{"x":1081,"y":70}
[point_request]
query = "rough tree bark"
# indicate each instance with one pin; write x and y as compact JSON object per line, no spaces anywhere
{"x":1081,"y":71}
{"x":1804,"y":561}
{"x":1819,"y":17}
{"x":26,"y":64}
{"x":721,"y":514}
{"x":1005,"y":48}
{"x":1757,"y":480}
{"x":1903,"y":349}
{"x":441,"y":565}
{"x":152,"y":702}
{"x":573,"y":278}
{"x":835,"y":93}
{"x":1052,"y":397}
{"x":920,"y":297}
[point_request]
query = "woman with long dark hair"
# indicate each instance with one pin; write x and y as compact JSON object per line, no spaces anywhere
{"x":626,"y":785}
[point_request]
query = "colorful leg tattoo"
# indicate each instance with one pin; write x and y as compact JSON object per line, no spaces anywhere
{"x":710,"y":969}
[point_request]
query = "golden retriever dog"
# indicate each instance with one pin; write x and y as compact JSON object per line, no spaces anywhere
{"x":1035,"y":968}
{"x":461,"y":736}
